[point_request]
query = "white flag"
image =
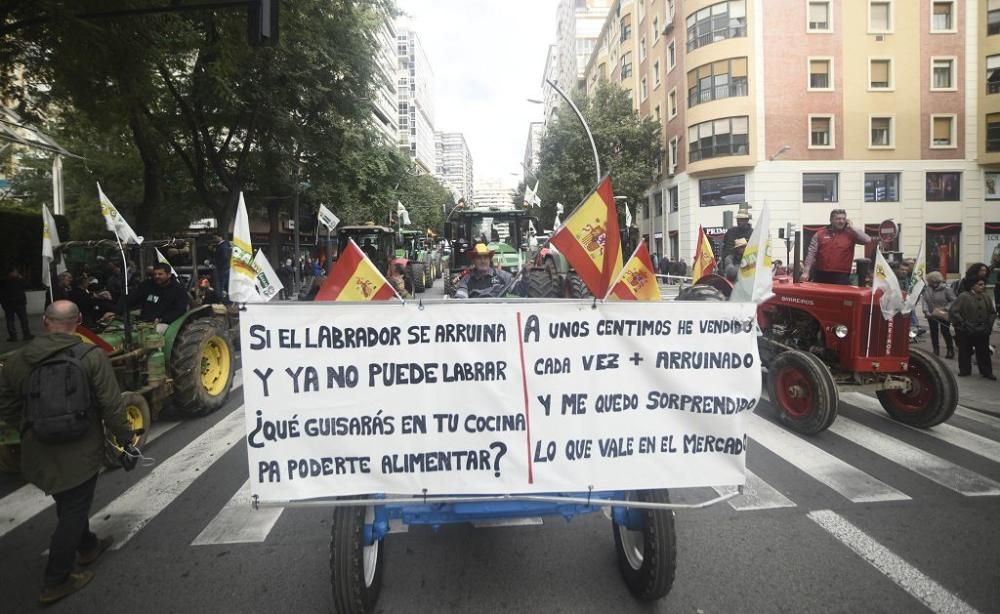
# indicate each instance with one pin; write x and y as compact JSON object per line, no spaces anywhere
{"x":58,"y":199}
{"x":559,"y":211}
{"x":628,"y":217}
{"x":918,"y":279}
{"x":755,"y":279}
{"x":50,"y":241}
{"x":268,"y":284}
{"x":883,"y":277}
{"x":401,"y":214}
{"x":242,"y":272}
{"x":531,"y":198}
{"x":327,"y":218}
{"x":114,"y":221}
{"x":163,"y":259}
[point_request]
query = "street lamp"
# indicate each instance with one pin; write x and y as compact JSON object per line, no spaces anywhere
{"x":593,"y":147}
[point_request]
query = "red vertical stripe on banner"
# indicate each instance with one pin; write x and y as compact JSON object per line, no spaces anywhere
{"x":524,"y":386}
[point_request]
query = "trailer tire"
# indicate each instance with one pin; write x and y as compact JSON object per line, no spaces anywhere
{"x":803,"y":391}
{"x":355,"y":569}
{"x":139,"y":418}
{"x":933,"y":395}
{"x":201,"y":364}
{"x":647,"y":558}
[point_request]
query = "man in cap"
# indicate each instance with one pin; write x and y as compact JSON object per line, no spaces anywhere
{"x":483,"y":280}
{"x":742,"y":230}
{"x":731,"y":264}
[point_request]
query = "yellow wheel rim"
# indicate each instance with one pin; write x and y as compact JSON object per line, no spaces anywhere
{"x":133,"y":413}
{"x":215,"y":366}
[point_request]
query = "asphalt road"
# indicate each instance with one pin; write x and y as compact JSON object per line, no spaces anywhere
{"x":870,"y":516}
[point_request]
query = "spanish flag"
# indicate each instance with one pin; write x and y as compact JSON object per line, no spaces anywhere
{"x":637,"y":281}
{"x":355,"y":278}
{"x":590,"y":239}
{"x":704,"y":259}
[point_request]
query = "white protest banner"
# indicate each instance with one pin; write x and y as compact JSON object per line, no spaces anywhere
{"x":467,"y":397}
{"x":327,"y":218}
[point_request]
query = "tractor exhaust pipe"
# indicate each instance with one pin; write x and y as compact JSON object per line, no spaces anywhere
{"x":797,"y":261}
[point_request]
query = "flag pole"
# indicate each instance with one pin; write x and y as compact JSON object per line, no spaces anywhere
{"x":127,"y":316}
{"x":871,"y":315}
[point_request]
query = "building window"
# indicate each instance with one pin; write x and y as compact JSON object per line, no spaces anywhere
{"x":659,"y":162}
{"x":879,"y":16}
{"x":993,"y":132}
{"x":943,"y":131}
{"x":992,"y":74}
{"x":674,"y":152}
{"x":716,"y":23}
{"x":675,"y":201}
{"x":881,"y":133}
{"x":818,"y":16}
{"x":658,"y":202}
{"x":672,"y":104}
{"x":721,"y":137}
{"x":718,"y":80}
{"x":820,"y":74}
{"x":722,"y":191}
{"x":671,"y":55}
{"x":656,"y":73}
{"x":880,"y":74}
{"x":944,"y":186}
{"x":656,"y":113}
{"x":819,"y":187}
{"x":992,"y":185}
{"x":943,"y":74}
{"x":656,"y":29}
{"x":993,"y":17}
{"x":626,"y":24}
{"x":626,"y":65}
{"x":820,"y":132}
{"x":643,"y":90}
{"x":642,"y":49}
{"x":943,"y":16}
{"x":881,"y":187}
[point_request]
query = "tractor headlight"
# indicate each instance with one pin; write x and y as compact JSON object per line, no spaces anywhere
{"x":841,"y":331}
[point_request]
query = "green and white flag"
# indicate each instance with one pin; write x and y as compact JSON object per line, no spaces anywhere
{"x":918,"y":279}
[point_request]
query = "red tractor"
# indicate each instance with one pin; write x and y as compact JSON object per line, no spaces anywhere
{"x":819,"y":339}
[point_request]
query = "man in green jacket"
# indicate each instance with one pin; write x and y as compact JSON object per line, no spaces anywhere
{"x":67,"y":471}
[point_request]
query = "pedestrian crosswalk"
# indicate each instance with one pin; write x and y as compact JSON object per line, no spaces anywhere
{"x":964,"y":460}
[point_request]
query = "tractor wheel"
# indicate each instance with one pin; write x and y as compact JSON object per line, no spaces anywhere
{"x":408,"y":279}
{"x":438,"y":270}
{"x":932,"y":397}
{"x":355,"y":568}
{"x":139,"y":419}
{"x":541,"y":284}
{"x":419,"y":279}
{"x":201,"y":364}
{"x":10,"y":459}
{"x":429,"y":275}
{"x":701,"y":293}
{"x":647,"y":557}
{"x":803,"y":391}
{"x":575,"y":287}
{"x":449,"y":287}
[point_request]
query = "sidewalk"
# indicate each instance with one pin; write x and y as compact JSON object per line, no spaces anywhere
{"x":974,"y":391}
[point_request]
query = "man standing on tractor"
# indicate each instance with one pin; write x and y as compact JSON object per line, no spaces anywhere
{"x":831,"y":251}
{"x":62,"y":442}
{"x":742,"y":230}
{"x":483,"y":280}
{"x":162,"y":299}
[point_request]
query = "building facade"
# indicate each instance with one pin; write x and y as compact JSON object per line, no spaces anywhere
{"x":454,"y":164}
{"x":415,"y":85}
{"x":385,"y":115}
{"x":495,"y":193}
{"x":889,"y":109}
{"x":578,"y":23}
{"x":532,"y":147}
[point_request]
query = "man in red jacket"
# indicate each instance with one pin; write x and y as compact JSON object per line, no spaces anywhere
{"x":831,"y":251}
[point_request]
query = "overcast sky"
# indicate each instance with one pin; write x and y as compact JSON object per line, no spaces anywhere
{"x":487,"y":57}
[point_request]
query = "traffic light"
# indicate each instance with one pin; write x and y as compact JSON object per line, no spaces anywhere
{"x":727,"y":219}
{"x":262,"y":23}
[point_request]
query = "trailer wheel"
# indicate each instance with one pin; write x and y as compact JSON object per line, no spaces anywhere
{"x":647,"y":557}
{"x":932,"y":397}
{"x":139,"y":419}
{"x":803,"y":391}
{"x":541,"y":284}
{"x":355,"y":568}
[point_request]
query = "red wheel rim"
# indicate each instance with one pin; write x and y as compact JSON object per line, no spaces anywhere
{"x":920,"y":394}
{"x":795,"y":392}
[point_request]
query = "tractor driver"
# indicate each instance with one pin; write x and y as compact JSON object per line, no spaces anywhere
{"x":483,"y":281}
{"x":831,"y":251}
{"x":161,"y":299}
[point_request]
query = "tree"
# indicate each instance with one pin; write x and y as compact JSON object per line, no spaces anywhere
{"x":626,"y":143}
{"x":425,"y":199}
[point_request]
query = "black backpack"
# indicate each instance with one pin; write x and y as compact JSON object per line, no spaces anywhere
{"x":57,"y":398}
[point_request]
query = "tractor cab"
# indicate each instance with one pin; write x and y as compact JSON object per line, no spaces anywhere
{"x":377,"y":242}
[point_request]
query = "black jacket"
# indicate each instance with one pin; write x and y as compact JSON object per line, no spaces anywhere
{"x":12,"y":292}
{"x":163,"y":303}
{"x":736,"y":232}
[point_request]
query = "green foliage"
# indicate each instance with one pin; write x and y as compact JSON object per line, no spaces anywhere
{"x":425,"y":199}
{"x":626,"y":143}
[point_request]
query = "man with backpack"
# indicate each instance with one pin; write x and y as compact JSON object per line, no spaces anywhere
{"x":62,"y":393}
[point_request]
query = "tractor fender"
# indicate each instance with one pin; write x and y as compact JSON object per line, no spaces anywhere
{"x":175,"y":327}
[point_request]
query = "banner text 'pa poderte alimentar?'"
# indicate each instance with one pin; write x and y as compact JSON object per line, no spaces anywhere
{"x":488,"y":398}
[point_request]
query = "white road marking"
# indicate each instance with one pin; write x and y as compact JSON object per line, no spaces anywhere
{"x":124,"y":517}
{"x":937,"y":598}
{"x":978,"y":416}
{"x":757,"y":495}
{"x":238,"y":523}
{"x":508,"y":522}
{"x":945,"y":473}
{"x":849,"y":481}
{"x":960,"y":438}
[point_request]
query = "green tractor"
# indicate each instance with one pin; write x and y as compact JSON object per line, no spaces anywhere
{"x":191,"y":364}
{"x":412,"y":254}
{"x":380,"y":243}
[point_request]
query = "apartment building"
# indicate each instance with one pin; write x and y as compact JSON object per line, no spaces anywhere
{"x":533,"y":147}
{"x":494,"y":192}
{"x":578,"y":22}
{"x":454,"y":164}
{"x":889,"y":109}
{"x":385,"y":114}
{"x":415,"y":86}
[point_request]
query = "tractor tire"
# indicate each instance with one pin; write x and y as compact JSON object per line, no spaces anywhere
{"x":419,"y":279}
{"x":701,"y":293}
{"x":201,"y":365}
{"x":575,"y":288}
{"x":933,"y":394}
{"x":541,"y":284}
{"x":647,"y":558}
{"x":355,"y":568}
{"x":408,"y":280}
{"x":449,"y":287}
{"x":803,"y":391}
{"x":139,"y":418}
{"x":429,"y":275}
{"x":10,"y":459}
